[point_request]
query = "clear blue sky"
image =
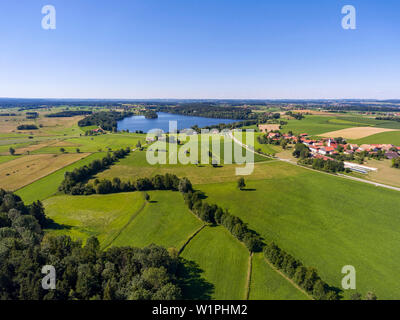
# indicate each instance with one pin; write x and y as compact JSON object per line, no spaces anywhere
{"x":200,"y":49}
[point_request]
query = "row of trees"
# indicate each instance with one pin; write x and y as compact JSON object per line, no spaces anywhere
{"x":74,"y":180}
{"x":69,"y":113}
{"x":106,"y":120}
{"x":216,"y":215}
{"x":324,"y":165}
{"x":27,"y":127}
{"x":82,"y":272}
{"x":305,"y":277}
{"x":158,"y":182}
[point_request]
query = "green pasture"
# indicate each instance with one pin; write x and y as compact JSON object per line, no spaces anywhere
{"x":223,"y":261}
{"x":102,"y":216}
{"x":165,"y":221}
{"x":267,"y":284}
{"x":325,"y":221}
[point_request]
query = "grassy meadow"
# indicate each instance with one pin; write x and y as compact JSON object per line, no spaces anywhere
{"x":325,"y":221}
{"x":223,"y":260}
{"x":165,"y":221}
{"x":267,"y":284}
{"x":102,"y":216}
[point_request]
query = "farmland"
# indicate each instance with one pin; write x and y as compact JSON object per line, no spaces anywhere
{"x":267,"y":284}
{"x":165,"y":221}
{"x":324,"y":221}
{"x":224,"y":261}
{"x":33,"y":167}
{"x":356,"y":224}
{"x":101,"y":216}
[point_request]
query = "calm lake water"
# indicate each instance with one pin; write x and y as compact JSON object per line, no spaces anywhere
{"x":183,"y":122}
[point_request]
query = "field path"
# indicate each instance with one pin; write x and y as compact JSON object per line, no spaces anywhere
{"x":190,"y":238}
{"x":376,"y":184}
{"x":249,"y":271}
{"x":134,"y":215}
{"x":288,"y":279}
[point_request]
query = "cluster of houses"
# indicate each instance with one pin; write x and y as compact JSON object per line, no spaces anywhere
{"x":326,"y":147}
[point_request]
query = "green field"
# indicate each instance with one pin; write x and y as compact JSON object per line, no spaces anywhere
{"x":102,"y":216}
{"x":48,"y":186}
{"x":390,"y":137}
{"x":97,"y":143}
{"x":165,"y":221}
{"x":4,"y":159}
{"x":267,"y":284}
{"x":325,"y":221}
{"x":315,"y":125}
{"x":223,"y":260}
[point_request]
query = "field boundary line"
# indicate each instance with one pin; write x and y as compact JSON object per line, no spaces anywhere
{"x":191,"y":238}
{"x":89,"y":154}
{"x":249,"y":272}
{"x":288,"y":279}
{"x":134,"y":215}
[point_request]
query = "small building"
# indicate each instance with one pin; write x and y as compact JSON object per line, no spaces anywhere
{"x":392,"y":155}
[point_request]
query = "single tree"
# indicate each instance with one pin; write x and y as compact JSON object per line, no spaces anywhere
{"x":12,"y":151}
{"x":147,"y":197}
{"x":62,"y":150}
{"x":241,"y":184}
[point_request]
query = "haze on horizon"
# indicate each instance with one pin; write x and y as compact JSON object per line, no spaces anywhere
{"x":188,"y":49}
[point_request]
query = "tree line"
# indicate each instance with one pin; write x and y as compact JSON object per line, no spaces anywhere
{"x":106,"y":120}
{"x":27,"y":127}
{"x":106,"y":186}
{"x":68,"y":113}
{"x":324,"y":165}
{"x":74,"y":181}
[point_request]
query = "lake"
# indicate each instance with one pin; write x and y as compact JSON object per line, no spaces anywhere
{"x":140,"y":123}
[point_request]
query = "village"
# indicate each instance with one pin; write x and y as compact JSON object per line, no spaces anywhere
{"x":334,"y":149}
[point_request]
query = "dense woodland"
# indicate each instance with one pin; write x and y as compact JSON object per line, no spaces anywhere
{"x":82,"y":272}
{"x":106,"y":120}
{"x":27,"y":127}
{"x":210,"y":111}
{"x":69,"y":113}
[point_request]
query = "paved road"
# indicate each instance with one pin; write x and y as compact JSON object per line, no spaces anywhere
{"x":376,"y":184}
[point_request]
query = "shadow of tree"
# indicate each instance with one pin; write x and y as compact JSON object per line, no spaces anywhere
{"x":51,"y":224}
{"x":194,"y":287}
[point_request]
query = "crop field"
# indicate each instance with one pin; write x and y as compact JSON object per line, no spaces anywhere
{"x":48,"y":185}
{"x":267,"y":284}
{"x":318,"y":125}
{"x":356,"y":132}
{"x":102,"y":216}
{"x":223,"y":260}
{"x":385,"y":174}
{"x":25,"y":170}
{"x":165,"y":221}
{"x":392,"y":137}
{"x":96,"y":143}
{"x":325,"y":221}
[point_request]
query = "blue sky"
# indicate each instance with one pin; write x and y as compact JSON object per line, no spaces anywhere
{"x":200,"y":49}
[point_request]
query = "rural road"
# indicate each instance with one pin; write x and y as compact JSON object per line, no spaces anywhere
{"x":376,"y":184}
